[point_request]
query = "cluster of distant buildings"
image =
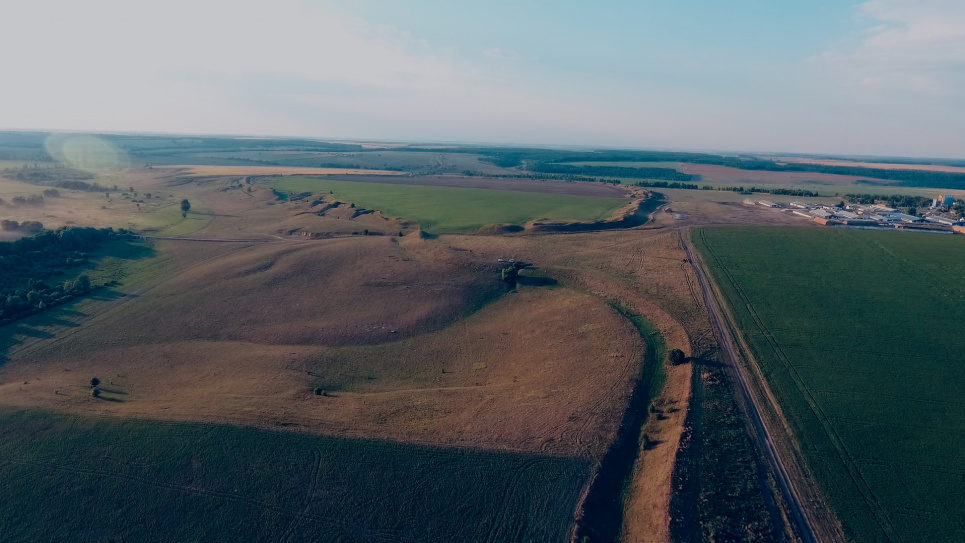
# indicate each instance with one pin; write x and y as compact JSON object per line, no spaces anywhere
{"x":942,"y":201}
{"x":874,"y":215}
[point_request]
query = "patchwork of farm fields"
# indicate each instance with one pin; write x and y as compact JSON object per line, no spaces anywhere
{"x":859,"y":335}
{"x":455,"y":210}
{"x":139,"y":481}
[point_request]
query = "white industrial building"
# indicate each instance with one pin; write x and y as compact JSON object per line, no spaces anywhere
{"x":820,"y":214}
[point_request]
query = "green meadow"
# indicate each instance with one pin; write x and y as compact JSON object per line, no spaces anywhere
{"x":441,"y":210}
{"x":860,"y":335}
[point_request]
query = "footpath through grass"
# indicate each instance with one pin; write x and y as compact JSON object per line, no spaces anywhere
{"x":453,"y":209}
{"x":860,"y":334}
{"x":71,"y":478}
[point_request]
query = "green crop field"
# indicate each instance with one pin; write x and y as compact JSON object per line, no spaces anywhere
{"x":860,"y":334}
{"x":452,"y":209}
{"x":67,"y":478}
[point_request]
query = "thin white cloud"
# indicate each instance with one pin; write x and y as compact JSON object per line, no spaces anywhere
{"x":501,"y":54}
{"x":240,"y":66}
{"x":914,"y":46}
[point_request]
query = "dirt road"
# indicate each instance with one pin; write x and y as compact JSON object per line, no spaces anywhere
{"x":797,"y":512}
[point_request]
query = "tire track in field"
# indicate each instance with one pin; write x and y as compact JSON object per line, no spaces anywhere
{"x":309,"y":494}
{"x":369,"y":534}
{"x":500,"y":518}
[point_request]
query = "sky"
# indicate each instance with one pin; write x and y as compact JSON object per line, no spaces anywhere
{"x":879,"y":77}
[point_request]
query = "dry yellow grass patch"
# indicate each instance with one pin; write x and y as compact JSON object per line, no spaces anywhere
{"x":526,"y":373}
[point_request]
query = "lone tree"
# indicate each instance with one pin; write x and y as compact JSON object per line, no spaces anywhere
{"x":94,"y":382}
{"x":185,"y":207}
{"x":96,"y":393}
{"x":677,"y":357}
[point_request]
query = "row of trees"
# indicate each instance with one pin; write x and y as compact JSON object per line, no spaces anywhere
{"x":742,"y":190}
{"x":40,"y":296}
{"x":35,"y":200}
{"x":25,"y":226}
{"x":29,"y":267}
{"x":891,"y":200}
{"x":667,"y":174}
{"x":510,"y":158}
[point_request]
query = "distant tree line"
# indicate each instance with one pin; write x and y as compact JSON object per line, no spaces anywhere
{"x":61,"y":178}
{"x":35,"y":200}
{"x":529,"y":158}
{"x":670,"y":185}
{"x":29,"y":267}
{"x":739,"y":189}
{"x":25,"y":226}
{"x":892,"y":200}
{"x":668,"y":174}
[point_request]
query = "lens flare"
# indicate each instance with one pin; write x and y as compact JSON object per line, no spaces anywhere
{"x":87,"y":153}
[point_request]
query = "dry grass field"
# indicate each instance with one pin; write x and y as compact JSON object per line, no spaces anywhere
{"x":206,"y":171}
{"x":243,"y":332}
{"x":711,"y":207}
{"x":121,"y":208}
{"x":411,"y":339}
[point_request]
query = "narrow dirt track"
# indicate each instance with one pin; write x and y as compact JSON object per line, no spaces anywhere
{"x":797,"y":512}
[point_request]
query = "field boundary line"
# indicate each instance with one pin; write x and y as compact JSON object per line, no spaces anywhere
{"x":808,"y":517}
{"x":847,"y":460}
{"x":850,"y":465}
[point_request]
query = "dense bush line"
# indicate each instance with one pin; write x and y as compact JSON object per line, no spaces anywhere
{"x":668,"y":174}
{"x":892,"y":200}
{"x":25,"y":226}
{"x":29,"y":268}
{"x":526,"y":158}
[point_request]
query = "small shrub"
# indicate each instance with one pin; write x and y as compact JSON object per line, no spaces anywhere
{"x":94,"y":382}
{"x":96,"y":393}
{"x":319,"y":392}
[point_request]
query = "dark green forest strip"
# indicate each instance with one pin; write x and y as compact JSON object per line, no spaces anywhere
{"x":858,"y":334}
{"x":667,"y":174}
{"x":72,"y":478}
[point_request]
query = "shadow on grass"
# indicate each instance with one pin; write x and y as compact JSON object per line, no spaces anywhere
{"x":651,"y":444}
{"x":106,"y":295}
{"x":706,"y":362}
{"x":113,"y":391}
{"x":536,"y":281}
{"x":66,"y":315}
